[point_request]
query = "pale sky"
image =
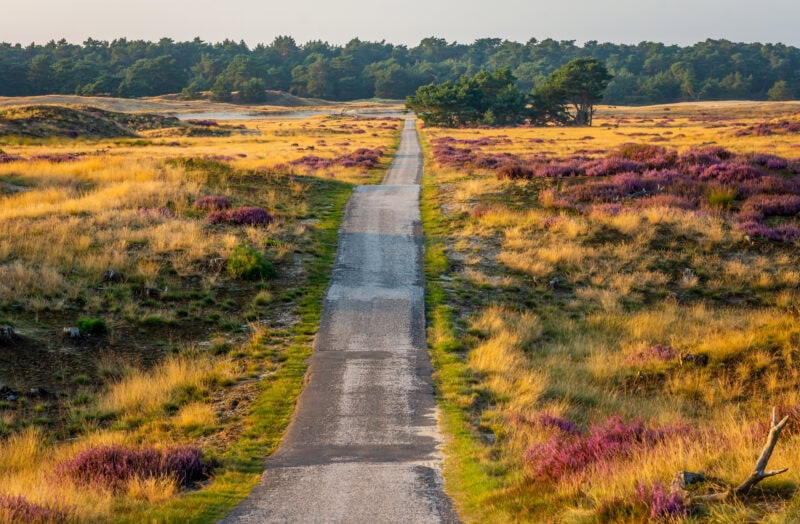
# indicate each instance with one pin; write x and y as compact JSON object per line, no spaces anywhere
{"x":402,"y":22}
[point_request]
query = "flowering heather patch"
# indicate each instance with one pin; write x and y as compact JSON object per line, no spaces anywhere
{"x":18,"y":509}
{"x":6,"y":158}
{"x":155,"y":212}
{"x":773,"y":162}
{"x":612,"y":440}
{"x":204,"y":123}
{"x":769,"y":129}
{"x":365,"y":158}
{"x":212,"y":203}
{"x":312,"y":162}
{"x":242,"y":216}
{"x":658,"y":352}
{"x":113,"y":466}
{"x":457,"y":157}
{"x":612,"y":166}
{"x":515,"y":172}
{"x":653,"y":157}
{"x":730,"y":173}
{"x":704,"y":157}
{"x":761,"y":206}
{"x":559,"y":169}
{"x":785,"y":233}
{"x":478,"y":142}
{"x":770,"y":185}
{"x":662,"y":502}
{"x":606,"y":210}
{"x":219,"y":158}
{"x":546,"y":420}
{"x":56,"y":159}
{"x":610,"y":189}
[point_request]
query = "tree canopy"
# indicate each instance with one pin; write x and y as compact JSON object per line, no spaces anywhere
{"x":644,"y":73}
{"x":580,"y":83}
{"x":483,"y":99}
{"x":494,"y":99}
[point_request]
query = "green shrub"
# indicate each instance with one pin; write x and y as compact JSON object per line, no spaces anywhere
{"x":722,"y":196}
{"x":93,"y":326}
{"x":247,"y":263}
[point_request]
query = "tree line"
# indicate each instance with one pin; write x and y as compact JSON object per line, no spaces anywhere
{"x":644,"y":73}
{"x":566,"y":97}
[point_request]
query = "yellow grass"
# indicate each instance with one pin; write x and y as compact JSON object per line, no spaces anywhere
{"x":663,"y":276}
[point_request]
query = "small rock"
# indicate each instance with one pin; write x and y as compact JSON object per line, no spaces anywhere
{"x":71,"y":332}
{"x":39,"y":392}
{"x":8,"y":394}
{"x":151,"y":292}
{"x":7,"y":335}
{"x":683,"y":479}
{"x":111,"y":275}
{"x":699,"y":359}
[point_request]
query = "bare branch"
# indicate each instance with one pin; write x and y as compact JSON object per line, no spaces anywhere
{"x":759,"y":472}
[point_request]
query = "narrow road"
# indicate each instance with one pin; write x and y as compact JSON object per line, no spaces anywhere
{"x":364,"y":443}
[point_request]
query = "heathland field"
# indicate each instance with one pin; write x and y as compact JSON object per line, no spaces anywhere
{"x":610,"y":306}
{"x":158,"y":296}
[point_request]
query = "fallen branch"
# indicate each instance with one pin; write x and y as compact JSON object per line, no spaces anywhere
{"x":685,"y":478}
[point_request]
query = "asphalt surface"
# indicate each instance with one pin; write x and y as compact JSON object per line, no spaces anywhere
{"x":364,"y":443}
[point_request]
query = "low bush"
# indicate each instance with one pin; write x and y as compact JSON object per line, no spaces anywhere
{"x":247,"y":263}
{"x":242,"y":216}
{"x":18,"y":509}
{"x":92,"y":326}
{"x":212,"y":203}
{"x":112,"y":467}
{"x":612,"y":440}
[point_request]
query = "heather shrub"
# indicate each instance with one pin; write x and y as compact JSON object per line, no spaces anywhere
{"x":771,"y":205}
{"x":212,"y":203}
{"x":612,"y":166}
{"x":112,"y":467}
{"x":6,"y":158}
{"x":246,"y":263}
{"x":56,"y":158}
{"x":653,"y":157}
{"x":612,"y":440}
{"x":770,"y":162}
{"x":663,"y":503}
{"x":772,"y":185}
{"x":242,"y":216}
{"x":559,"y":169}
{"x":610,"y":189}
{"x":546,"y":420}
{"x":784,"y":233}
{"x":728,"y":173}
{"x":18,"y":509}
{"x":204,"y":123}
{"x":658,"y":352}
{"x":363,"y":157}
{"x":515,"y":172}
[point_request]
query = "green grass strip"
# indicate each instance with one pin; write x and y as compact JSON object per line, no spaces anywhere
{"x":466,"y":480}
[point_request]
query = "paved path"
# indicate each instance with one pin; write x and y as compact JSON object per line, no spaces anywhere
{"x":363,"y":446}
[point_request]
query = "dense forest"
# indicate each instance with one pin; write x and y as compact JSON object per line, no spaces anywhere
{"x":644,"y":73}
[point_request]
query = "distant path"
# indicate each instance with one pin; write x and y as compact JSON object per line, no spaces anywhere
{"x":363,"y":446}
